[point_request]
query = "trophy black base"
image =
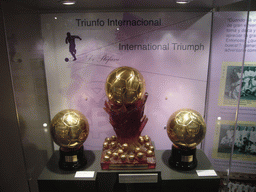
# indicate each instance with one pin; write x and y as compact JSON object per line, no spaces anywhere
{"x":72,"y":159}
{"x":183,"y":159}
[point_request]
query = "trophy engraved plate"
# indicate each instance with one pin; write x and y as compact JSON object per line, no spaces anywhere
{"x":187,"y":158}
{"x":127,"y":166}
{"x":71,"y":158}
{"x":138,"y":178}
{"x":125,"y":89}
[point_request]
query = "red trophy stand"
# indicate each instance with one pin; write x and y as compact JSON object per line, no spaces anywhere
{"x":128,"y":149}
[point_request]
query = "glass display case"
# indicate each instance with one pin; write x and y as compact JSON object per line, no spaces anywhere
{"x":199,"y":55}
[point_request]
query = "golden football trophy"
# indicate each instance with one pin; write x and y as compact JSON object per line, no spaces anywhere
{"x":125,"y":89}
{"x":186,"y":129}
{"x":69,"y":129}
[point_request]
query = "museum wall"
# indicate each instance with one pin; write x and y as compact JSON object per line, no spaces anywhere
{"x":172,"y":55}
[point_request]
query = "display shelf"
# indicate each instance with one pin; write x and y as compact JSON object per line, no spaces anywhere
{"x":163,"y":178}
{"x":186,"y":180}
{"x":53,"y":179}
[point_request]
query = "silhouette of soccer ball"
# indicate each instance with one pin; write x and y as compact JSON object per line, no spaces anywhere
{"x":125,"y":85}
{"x":66,"y":59}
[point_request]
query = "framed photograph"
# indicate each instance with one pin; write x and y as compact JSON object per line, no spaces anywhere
{"x":244,"y":140}
{"x":230,"y":84}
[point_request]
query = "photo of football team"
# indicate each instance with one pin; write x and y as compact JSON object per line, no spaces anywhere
{"x":248,"y":87}
{"x":244,"y":139}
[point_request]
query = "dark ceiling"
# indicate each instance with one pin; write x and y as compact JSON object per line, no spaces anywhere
{"x":120,"y":5}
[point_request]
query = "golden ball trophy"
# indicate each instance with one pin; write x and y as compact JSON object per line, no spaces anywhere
{"x":186,"y":129}
{"x":125,"y":89}
{"x":69,"y":129}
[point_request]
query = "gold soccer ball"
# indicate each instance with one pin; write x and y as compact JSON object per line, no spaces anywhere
{"x":186,"y":128}
{"x":125,"y":85}
{"x":69,"y":128}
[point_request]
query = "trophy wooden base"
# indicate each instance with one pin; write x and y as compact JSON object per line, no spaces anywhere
{"x":116,"y":156}
{"x":72,"y":159}
{"x":183,"y":159}
{"x":147,"y":163}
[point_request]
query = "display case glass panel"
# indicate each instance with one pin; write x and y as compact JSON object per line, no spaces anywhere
{"x":230,"y":109}
{"x":199,"y":56}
